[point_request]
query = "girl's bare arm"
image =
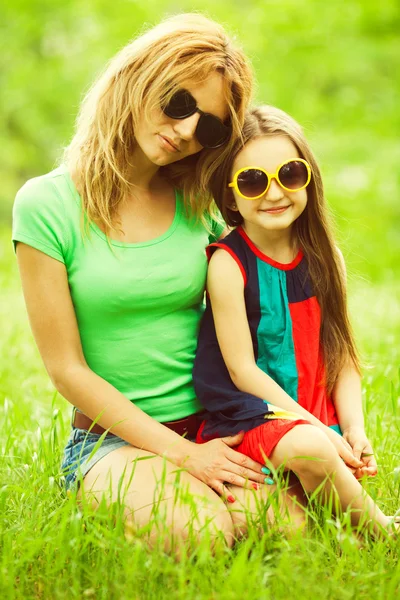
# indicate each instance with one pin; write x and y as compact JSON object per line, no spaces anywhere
{"x":226,"y":289}
{"x":347,"y":398}
{"x":346,"y":393}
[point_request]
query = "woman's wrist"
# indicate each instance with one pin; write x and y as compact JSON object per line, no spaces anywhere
{"x":179,"y":452}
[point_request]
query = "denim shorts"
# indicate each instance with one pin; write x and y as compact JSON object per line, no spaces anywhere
{"x":83,"y":450}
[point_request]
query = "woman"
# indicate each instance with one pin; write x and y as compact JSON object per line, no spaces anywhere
{"x":110,"y":248}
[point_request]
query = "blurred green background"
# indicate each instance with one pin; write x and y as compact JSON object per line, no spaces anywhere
{"x":333,"y":65}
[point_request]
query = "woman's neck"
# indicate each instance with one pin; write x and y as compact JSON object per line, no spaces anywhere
{"x":281,"y":246}
{"x":143,"y":172}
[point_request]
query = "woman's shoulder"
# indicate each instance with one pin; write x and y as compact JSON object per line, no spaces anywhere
{"x":45,"y":212}
{"x":52,"y":190}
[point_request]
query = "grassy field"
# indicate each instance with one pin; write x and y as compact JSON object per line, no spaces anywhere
{"x":52,"y":549}
{"x":332,"y":66}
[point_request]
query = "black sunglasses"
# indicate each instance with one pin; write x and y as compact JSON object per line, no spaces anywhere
{"x":211,"y":132}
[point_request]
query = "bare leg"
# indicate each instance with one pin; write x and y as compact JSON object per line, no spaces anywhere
{"x":156,"y":495}
{"x":265,"y":507}
{"x":297,"y":449}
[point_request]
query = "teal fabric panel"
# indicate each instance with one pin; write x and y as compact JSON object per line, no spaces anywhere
{"x":336,"y":428}
{"x":276,"y":355}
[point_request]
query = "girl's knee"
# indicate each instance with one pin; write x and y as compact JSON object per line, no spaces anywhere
{"x":312,"y":452}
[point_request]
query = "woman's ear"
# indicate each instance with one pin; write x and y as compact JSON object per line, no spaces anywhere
{"x":233,"y":206}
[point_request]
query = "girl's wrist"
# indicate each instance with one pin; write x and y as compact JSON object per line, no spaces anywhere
{"x":359,"y":426}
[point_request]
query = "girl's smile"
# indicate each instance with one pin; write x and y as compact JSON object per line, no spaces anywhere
{"x":277,"y":209}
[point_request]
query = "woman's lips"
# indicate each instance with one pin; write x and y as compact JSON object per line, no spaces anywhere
{"x":167,"y":144}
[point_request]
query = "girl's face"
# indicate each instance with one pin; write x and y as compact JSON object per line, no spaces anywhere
{"x":278,"y":208}
{"x":164,"y":140}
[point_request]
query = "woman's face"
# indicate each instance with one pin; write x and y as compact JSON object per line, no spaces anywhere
{"x":164,"y":140}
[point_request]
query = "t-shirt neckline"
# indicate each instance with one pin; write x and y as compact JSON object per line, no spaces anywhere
{"x":96,"y":229}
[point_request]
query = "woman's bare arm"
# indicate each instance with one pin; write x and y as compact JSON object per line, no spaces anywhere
{"x":53,"y":321}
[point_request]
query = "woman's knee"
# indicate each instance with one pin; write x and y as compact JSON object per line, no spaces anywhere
{"x":223,"y":528}
{"x":181,"y":527}
{"x":203,"y":512}
{"x":194,"y":518}
{"x":160,"y":500}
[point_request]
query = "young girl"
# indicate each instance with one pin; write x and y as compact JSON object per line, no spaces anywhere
{"x":276,"y":356}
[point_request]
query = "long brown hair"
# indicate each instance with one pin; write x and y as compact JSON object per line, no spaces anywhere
{"x":144,"y":73}
{"x":313,"y":232}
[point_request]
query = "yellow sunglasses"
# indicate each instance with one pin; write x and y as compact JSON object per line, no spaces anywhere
{"x":253,"y":182}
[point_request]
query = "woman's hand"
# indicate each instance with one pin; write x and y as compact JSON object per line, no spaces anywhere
{"x":344,"y":450}
{"x":215,"y":463}
{"x":362,"y":449}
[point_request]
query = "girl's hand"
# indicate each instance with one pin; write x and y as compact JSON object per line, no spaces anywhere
{"x":361,"y":449}
{"x":215,"y":462}
{"x":344,"y":450}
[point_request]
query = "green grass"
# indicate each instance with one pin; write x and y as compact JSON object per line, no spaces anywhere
{"x":50,"y":548}
{"x":331,"y":65}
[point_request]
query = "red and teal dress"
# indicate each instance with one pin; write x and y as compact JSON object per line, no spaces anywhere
{"x":285,"y":320}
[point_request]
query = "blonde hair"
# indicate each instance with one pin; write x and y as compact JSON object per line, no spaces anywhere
{"x":142,"y":75}
{"x":312,"y":230}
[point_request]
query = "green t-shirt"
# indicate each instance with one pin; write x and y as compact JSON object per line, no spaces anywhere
{"x":138,"y":306}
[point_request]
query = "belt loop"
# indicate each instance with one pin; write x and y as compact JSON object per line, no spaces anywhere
{"x":73,"y":413}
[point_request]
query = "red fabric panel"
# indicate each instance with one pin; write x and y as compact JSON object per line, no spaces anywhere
{"x":312,"y":395}
{"x":259,"y":442}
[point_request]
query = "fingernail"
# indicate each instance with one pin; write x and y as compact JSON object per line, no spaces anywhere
{"x":266,"y":471}
{"x":255,"y":486}
{"x":231,"y":499}
{"x":269,"y":480}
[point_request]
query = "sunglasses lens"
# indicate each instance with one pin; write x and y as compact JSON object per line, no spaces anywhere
{"x":181,"y":105}
{"x":252,"y":183}
{"x":293,"y":175}
{"x":211,"y":132}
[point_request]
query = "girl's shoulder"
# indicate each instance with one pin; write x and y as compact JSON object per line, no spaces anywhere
{"x":233,"y":241}
{"x":235,"y":246}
